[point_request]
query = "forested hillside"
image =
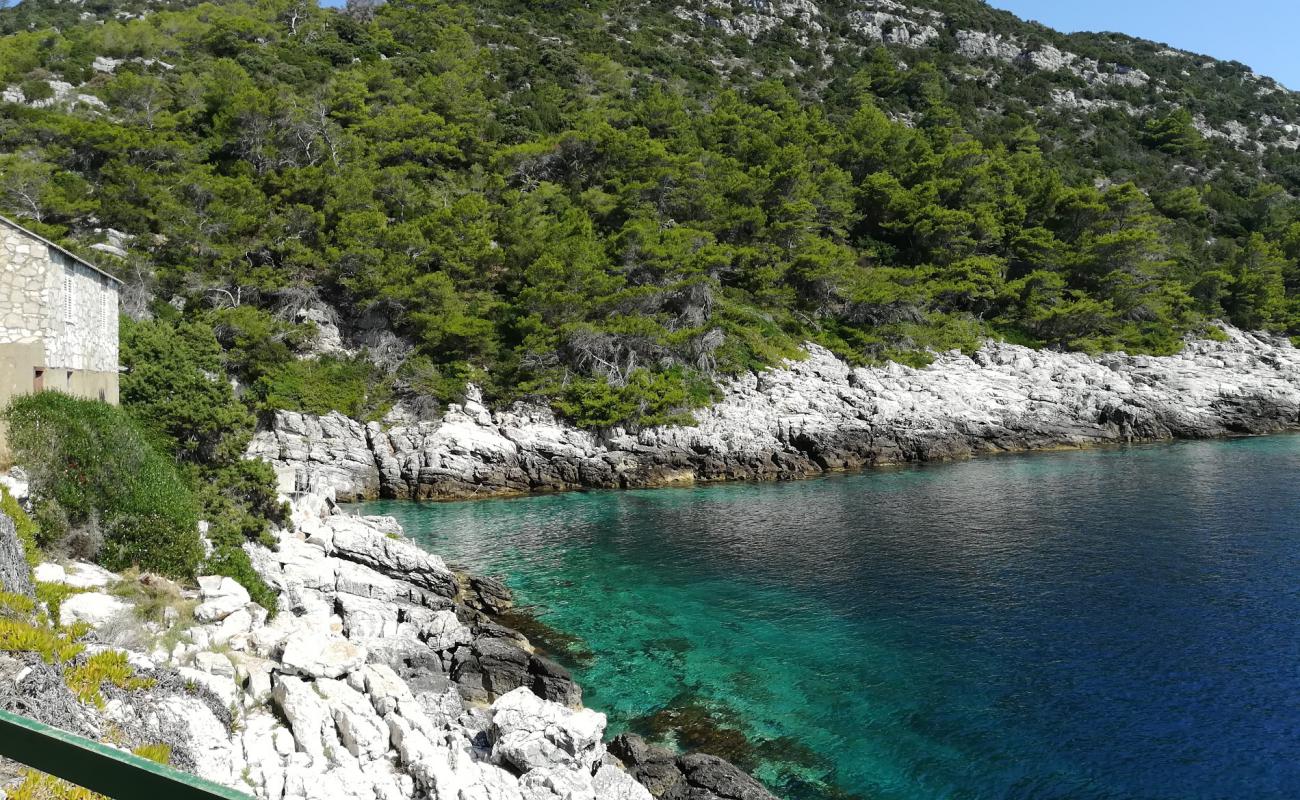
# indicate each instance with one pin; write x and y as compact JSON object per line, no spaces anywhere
{"x":611,"y":204}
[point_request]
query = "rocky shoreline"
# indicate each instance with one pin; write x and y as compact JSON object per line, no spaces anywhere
{"x":383,"y":675}
{"x":808,"y":417}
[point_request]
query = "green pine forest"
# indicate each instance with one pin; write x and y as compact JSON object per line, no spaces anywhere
{"x":609,"y":208}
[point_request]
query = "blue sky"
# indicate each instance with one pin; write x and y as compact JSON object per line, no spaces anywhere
{"x":1262,"y":33}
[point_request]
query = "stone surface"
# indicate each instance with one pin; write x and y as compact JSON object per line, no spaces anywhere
{"x":55,"y":301}
{"x":530,"y":733}
{"x":315,"y":655}
{"x":14,"y":575}
{"x":93,"y":608}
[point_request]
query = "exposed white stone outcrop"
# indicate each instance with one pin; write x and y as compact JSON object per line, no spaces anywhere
{"x":380,"y":678}
{"x":810,"y":416}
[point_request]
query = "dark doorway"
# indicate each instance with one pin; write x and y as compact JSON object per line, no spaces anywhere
{"x":38,"y":382}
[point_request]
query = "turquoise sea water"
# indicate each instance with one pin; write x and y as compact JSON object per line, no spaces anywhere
{"x":1105,"y":624}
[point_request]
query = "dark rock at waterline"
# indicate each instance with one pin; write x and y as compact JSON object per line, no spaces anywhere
{"x":504,"y":666}
{"x":492,"y":666}
{"x":14,"y":574}
{"x":489,"y":595}
{"x":553,"y":682}
{"x":654,"y":767}
{"x":694,"y":776}
{"x":711,"y":777}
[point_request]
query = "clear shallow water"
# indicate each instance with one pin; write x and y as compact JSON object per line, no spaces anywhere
{"x":1104,"y":624}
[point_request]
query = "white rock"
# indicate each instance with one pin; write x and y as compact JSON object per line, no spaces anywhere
{"x":309,"y":717}
{"x":612,"y":783}
{"x":311,"y":654}
{"x":528,"y":733}
{"x":213,"y":586}
{"x":214,"y":664}
{"x":384,"y":687}
{"x":361,"y":730}
{"x":364,"y":618}
{"x":209,"y":741}
{"x":223,"y":687}
{"x":93,"y":608}
{"x":49,"y":572}
{"x":218,"y":608}
{"x":88,"y":576}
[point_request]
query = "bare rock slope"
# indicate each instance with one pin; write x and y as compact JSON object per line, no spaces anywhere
{"x":381,"y":677}
{"x":811,"y":416}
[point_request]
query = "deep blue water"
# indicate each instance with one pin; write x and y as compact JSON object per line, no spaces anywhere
{"x":1105,"y":624}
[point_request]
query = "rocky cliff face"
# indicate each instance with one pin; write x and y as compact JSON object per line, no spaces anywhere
{"x":383,"y":676}
{"x":808,"y":417}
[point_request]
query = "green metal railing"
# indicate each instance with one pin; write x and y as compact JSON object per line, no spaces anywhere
{"x":98,"y":767}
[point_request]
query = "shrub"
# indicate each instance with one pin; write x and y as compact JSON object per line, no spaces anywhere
{"x":95,"y":463}
{"x":110,"y":666}
{"x":13,"y":604}
{"x":53,"y":595}
{"x":319,"y":386}
{"x":55,"y":647}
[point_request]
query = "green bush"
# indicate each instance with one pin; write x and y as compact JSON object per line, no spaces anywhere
{"x":95,"y":463}
{"x":319,"y":386}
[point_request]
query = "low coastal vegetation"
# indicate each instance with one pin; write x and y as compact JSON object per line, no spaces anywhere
{"x":105,"y":486}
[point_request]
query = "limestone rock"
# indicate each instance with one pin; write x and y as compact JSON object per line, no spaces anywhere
{"x":93,"y":608}
{"x":612,"y":783}
{"x":361,"y":730}
{"x":713,"y":777}
{"x":311,"y":654}
{"x":816,"y":414}
{"x":309,"y":717}
{"x":530,"y":733}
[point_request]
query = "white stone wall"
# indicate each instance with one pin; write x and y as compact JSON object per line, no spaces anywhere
{"x":47,"y":297}
{"x":81,"y":331}
{"x":23,"y":266}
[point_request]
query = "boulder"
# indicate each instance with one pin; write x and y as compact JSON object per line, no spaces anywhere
{"x":529,"y":733}
{"x":309,"y":718}
{"x":222,"y":597}
{"x":361,"y":730}
{"x":651,"y":766}
{"x":489,"y":595}
{"x":712,"y":777}
{"x":81,"y":575}
{"x":612,"y":783}
{"x":209,"y":741}
{"x":49,"y":572}
{"x":550,"y":681}
{"x":354,"y":539}
{"x":365,"y":618}
{"x":311,"y":654}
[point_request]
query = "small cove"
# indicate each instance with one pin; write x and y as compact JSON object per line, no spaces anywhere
{"x":1117,"y":623}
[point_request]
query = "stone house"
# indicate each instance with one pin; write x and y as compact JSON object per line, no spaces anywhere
{"x":58,"y":320}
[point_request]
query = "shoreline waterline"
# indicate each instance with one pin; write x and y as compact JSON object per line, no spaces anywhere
{"x":908,"y":628}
